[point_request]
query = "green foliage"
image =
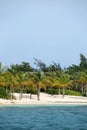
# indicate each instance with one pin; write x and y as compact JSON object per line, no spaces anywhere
{"x":71,"y":92}
{"x":67,"y":92}
{"x":32,"y":91}
{"x":2,"y":68}
{"x":41,"y":65}
{"x":3,"y":93}
{"x":83,"y":62}
{"x":73,"y":69}
{"x":52,"y":91}
{"x":55,"y":67}
{"x":23,"y":67}
{"x":24,"y":78}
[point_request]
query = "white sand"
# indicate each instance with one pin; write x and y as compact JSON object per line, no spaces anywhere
{"x":46,"y":99}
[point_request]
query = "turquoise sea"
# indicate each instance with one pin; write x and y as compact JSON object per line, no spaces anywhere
{"x":58,"y":117}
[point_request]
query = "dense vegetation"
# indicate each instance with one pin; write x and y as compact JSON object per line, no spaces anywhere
{"x":51,"y":79}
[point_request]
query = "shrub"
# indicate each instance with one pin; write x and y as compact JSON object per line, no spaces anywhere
{"x":52,"y":91}
{"x":3,"y":93}
{"x":67,"y":92}
{"x":71,"y":92}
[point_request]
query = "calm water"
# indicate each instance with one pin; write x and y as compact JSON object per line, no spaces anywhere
{"x":43,"y":117}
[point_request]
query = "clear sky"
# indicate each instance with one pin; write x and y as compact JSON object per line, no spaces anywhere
{"x":49,"y":30}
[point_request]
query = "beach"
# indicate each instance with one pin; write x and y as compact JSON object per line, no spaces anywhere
{"x":45,"y":99}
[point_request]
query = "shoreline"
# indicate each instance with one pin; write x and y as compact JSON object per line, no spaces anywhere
{"x":45,"y":99}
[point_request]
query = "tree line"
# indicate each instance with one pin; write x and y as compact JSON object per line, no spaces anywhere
{"x":23,"y":78}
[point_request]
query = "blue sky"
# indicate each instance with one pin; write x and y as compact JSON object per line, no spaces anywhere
{"x":49,"y":30}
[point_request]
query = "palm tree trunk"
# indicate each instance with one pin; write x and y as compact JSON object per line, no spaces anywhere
{"x":20,"y":94}
{"x":30,"y":95}
{"x":11,"y":94}
{"x":63,"y":91}
{"x":59,"y":91}
{"x":82,"y":89}
{"x":38,"y":93}
{"x":86,"y":91}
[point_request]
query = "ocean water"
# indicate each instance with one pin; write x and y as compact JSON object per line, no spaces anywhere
{"x":58,"y":117}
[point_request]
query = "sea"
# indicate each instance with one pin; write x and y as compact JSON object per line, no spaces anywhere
{"x":43,"y":117}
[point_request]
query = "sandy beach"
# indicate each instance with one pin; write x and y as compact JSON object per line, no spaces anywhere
{"x":46,"y":99}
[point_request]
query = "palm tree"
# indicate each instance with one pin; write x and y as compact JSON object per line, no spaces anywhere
{"x":38,"y":79}
{"x":81,"y":80}
{"x":29,"y":85}
{"x":64,"y":81}
{"x":21,"y":81}
{"x":9,"y":81}
{"x":56,"y":85}
{"x":2,"y":81}
{"x":50,"y":80}
{"x":54,"y":80}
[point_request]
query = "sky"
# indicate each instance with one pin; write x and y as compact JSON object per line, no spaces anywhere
{"x":49,"y":30}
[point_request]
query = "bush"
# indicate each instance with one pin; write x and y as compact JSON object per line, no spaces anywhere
{"x":67,"y":92}
{"x":71,"y":92}
{"x":32,"y":90}
{"x":3,"y":93}
{"x":52,"y":91}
